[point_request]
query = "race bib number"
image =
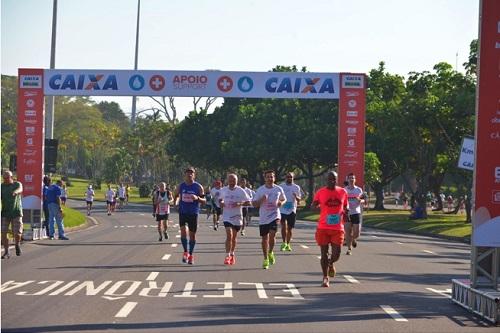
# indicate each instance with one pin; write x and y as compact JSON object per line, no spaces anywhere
{"x":187,"y":197}
{"x":333,"y":219}
{"x":164,"y":209}
{"x":288,"y":205}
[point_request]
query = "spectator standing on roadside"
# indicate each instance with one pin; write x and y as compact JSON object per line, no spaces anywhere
{"x":12,"y":212}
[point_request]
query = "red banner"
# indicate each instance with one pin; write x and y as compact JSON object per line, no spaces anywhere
{"x":352,"y":109}
{"x":486,"y":220}
{"x":30,"y":136}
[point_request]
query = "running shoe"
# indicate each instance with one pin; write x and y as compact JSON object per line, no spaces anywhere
{"x":265,"y":264}
{"x":190,"y":259}
{"x":160,"y":239}
{"x":185,"y":257}
{"x":283,"y":246}
{"x":6,"y":255}
{"x":272,"y":258}
{"x":18,"y":250}
{"x":165,"y":234}
{"x":63,"y":238}
{"x":88,"y":213}
{"x":227,"y":261}
{"x":331,"y":271}
{"x":288,"y":248}
{"x":326,"y":282}
{"x":215,"y":228}
{"x":354,"y":243}
{"x":348,"y":252}
{"x":243,"y":232}
{"x":232,"y":260}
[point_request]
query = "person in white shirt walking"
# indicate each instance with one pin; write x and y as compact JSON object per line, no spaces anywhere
{"x":162,"y":201}
{"x":122,"y":196}
{"x":110,"y":199}
{"x":246,"y":208}
{"x":269,"y":197}
{"x":217,"y":210}
{"x":293,"y":195}
{"x":355,"y":198}
{"x":232,"y":199}
{"x":89,"y":198}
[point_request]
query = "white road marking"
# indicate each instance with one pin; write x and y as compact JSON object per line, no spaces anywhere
{"x":399,"y":243}
{"x":427,"y":251}
{"x":152,"y":276}
{"x":142,"y":214}
{"x":261,"y":292}
{"x":175,"y":245}
{"x":166,"y":257}
{"x":177,"y":236}
{"x":125,"y":311}
{"x":351,"y":279}
{"x":113,"y":298}
{"x":374,"y":236}
{"x":319,"y":257}
{"x":393,"y":313}
{"x":304,"y":246}
{"x":188,"y":288}
{"x":116,"y":226}
{"x":441,"y":292}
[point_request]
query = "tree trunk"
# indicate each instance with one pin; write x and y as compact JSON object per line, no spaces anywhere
{"x":310,"y":185}
{"x":468,"y":209}
{"x":378,"y":189}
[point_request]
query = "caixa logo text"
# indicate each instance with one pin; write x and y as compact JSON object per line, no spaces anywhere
{"x":83,"y":82}
{"x":300,"y":85}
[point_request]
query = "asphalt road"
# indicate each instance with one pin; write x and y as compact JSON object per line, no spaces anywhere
{"x":117,"y":277}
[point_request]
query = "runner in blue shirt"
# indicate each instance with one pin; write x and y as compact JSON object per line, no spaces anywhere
{"x":190,"y":195}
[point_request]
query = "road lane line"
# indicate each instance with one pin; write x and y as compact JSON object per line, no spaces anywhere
{"x":393,"y":313}
{"x":142,"y":214}
{"x":373,"y":236}
{"x":351,"y":279}
{"x":152,"y":276}
{"x":441,"y":292}
{"x":166,"y":257}
{"x":125,"y":311}
{"x":174,"y":245}
{"x":399,"y":243}
{"x":304,"y":246}
{"x":427,"y":251}
{"x":177,"y":236}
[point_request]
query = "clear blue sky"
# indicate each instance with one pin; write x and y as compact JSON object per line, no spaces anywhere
{"x":324,"y":35}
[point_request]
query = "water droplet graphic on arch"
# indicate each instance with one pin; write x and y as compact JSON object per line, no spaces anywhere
{"x":137,"y":83}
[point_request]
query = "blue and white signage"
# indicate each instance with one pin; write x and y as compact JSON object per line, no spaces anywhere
{"x":466,"y":159}
{"x":67,"y":82}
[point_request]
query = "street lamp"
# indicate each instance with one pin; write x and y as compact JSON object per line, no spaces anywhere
{"x":134,"y":98}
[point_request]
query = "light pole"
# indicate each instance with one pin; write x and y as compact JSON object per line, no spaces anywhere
{"x":134,"y":98}
{"x":49,"y":120}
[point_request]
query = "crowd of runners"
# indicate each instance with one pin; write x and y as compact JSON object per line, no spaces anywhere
{"x":231,"y":205}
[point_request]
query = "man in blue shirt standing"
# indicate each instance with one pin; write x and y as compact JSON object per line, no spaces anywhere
{"x":53,"y":197}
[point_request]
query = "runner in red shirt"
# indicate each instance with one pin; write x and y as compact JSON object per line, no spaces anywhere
{"x":332,"y":202}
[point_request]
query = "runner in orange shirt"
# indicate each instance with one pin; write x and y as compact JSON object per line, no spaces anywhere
{"x":332,"y":202}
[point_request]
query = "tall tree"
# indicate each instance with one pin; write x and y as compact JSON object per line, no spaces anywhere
{"x":386,"y":128}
